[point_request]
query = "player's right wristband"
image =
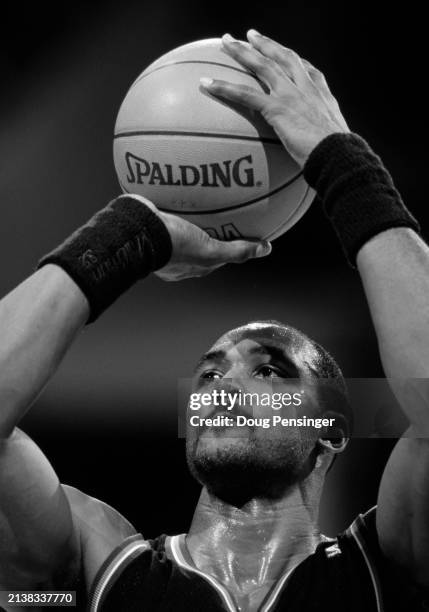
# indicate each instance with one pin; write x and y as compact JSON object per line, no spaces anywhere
{"x":123,"y":242}
{"x":358,"y":194}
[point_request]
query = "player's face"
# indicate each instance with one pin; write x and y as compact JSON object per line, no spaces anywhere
{"x":276,"y":368}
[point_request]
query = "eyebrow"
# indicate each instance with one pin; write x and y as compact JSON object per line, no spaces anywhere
{"x":218,"y":355}
{"x":277,"y":354}
{"x":274,"y":352}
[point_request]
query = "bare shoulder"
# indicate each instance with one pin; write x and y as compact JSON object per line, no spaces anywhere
{"x":101,"y":529}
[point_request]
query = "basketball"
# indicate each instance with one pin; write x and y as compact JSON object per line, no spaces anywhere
{"x":217,"y":165}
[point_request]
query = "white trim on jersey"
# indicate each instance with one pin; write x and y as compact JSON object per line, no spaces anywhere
{"x":354,"y":529}
{"x":181,"y":562}
{"x":176,"y":544}
{"x":112,"y":568}
{"x":276,"y":591}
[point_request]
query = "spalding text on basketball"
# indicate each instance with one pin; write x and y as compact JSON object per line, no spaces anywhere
{"x":224,"y":174}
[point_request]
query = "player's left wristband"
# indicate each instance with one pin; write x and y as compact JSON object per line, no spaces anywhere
{"x":120,"y":244}
{"x":358,"y":194}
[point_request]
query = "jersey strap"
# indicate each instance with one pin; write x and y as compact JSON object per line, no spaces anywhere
{"x":115,"y":563}
{"x":357,"y":531}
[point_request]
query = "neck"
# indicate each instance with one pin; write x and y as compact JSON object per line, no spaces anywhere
{"x":249,"y":547}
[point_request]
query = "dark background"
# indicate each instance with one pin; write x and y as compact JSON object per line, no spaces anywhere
{"x":108,"y":419}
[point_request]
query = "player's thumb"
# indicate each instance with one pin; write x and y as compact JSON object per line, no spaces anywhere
{"x":237,"y":251}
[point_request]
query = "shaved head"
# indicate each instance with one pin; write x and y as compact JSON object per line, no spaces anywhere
{"x":262,"y":357}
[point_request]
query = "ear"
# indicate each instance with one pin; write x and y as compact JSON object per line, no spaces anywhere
{"x":335,"y":436}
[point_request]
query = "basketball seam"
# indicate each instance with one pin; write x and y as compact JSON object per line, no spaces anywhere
{"x":125,"y":134}
{"x":144,"y":75}
{"x":291,"y":216}
{"x":219,"y":210}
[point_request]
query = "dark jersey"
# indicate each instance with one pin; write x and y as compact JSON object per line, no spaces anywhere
{"x":346,"y":574}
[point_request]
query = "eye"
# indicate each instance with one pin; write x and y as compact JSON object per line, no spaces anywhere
{"x":211,"y":375}
{"x":268,"y":371}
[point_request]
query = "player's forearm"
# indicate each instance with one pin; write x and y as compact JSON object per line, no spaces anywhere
{"x":394,"y":267}
{"x":377,"y":234}
{"x":38,"y":322}
{"x":77,"y":281}
{"x":380,"y":236}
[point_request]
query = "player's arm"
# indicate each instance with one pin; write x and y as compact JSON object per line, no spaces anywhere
{"x":375,"y":228}
{"x":40,"y":537}
{"x":38,"y":321}
{"x":394,"y":267}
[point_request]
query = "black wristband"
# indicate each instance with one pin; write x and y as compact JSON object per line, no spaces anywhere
{"x":122,"y":243}
{"x":358,"y":194}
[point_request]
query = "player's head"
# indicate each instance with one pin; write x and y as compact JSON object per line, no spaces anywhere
{"x":272,"y":370}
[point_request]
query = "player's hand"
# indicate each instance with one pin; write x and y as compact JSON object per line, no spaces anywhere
{"x":195,"y":253}
{"x":299,"y":105}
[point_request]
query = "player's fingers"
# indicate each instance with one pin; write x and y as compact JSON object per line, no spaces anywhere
{"x":321,"y":83}
{"x":241,"y":94}
{"x":317,"y":77}
{"x":237,"y":251}
{"x":286,"y":58}
{"x":263,"y":67}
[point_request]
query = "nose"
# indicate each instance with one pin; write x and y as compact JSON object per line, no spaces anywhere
{"x":237,"y":371}
{"x":230,"y":391}
{"x":229,"y":385}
